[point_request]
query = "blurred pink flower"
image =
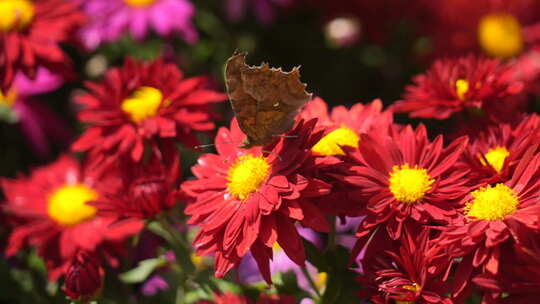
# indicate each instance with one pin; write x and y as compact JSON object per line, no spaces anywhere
{"x":110,"y":19}
{"x":36,"y":121}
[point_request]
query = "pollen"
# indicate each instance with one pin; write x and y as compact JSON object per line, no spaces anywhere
{"x":142,"y":104}
{"x":331,"y":143}
{"x":15,"y":14}
{"x":139,"y":3}
{"x":67,"y":205}
{"x":246,"y":176}
{"x":462,"y":87}
{"x":492,"y":203}
{"x":414,"y":287}
{"x":495,"y":157}
{"x":409,"y":185}
{"x":500,"y":35}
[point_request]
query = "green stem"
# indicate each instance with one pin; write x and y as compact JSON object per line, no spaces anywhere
{"x":180,"y":295}
{"x":332,"y":234}
{"x":183,"y":255}
{"x":311,"y":282}
{"x":183,"y":258}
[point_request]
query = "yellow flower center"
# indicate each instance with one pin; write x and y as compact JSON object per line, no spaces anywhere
{"x":500,"y":35}
{"x":15,"y":14}
{"x":320,"y":280}
{"x":142,"y":104}
{"x":462,"y":87}
{"x":495,"y":158}
{"x":9,"y":98}
{"x":492,"y":203}
{"x":331,"y":143}
{"x":409,"y":185}
{"x":67,"y":205}
{"x":246,"y":175}
{"x":139,"y":3}
{"x":412,"y":288}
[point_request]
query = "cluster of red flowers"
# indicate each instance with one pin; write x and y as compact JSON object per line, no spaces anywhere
{"x":442,"y":217}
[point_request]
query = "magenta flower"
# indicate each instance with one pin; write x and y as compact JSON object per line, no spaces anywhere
{"x":38,"y":124}
{"x":110,"y":19}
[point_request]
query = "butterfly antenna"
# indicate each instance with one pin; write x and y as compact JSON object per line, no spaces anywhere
{"x":212,"y":145}
{"x":285,"y":136}
{"x":273,"y":153}
{"x":203,"y":146}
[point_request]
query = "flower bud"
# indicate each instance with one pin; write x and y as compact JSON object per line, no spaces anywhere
{"x":84,"y":277}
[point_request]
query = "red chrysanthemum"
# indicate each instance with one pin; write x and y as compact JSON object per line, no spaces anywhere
{"x":139,"y":104}
{"x":518,"y":278}
{"x":31,"y":33}
{"x":405,"y":178}
{"x":345,"y":126}
{"x":493,"y":154}
{"x":226,"y":298}
{"x":494,"y":217}
{"x":249,"y":199}
{"x":411,"y":274}
{"x":498,"y":28}
{"x":342,"y":128}
{"x":453,"y":85}
{"x":53,"y":214}
{"x":148,"y":189}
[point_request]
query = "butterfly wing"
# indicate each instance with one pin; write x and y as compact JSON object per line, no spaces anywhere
{"x":265,"y":100}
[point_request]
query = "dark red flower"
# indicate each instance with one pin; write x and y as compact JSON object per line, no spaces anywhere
{"x":148,"y":189}
{"x":518,"y":278}
{"x":247,"y":199}
{"x":31,"y":33}
{"x":453,"y":85}
{"x":53,"y":215}
{"x":498,"y":28}
{"x":494,"y":218}
{"x":275,"y":299}
{"x":411,"y":274}
{"x":84,"y":277}
{"x":493,"y":155}
{"x":141,"y":104}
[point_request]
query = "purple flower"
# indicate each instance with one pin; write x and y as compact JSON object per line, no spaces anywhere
{"x":110,"y":19}
{"x":263,"y":9}
{"x":248,"y":271}
{"x":154,"y":285}
{"x":37,"y":122}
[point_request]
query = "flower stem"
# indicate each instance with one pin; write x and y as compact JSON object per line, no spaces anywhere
{"x":311,"y":282}
{"x":332,"y":234}
{"x":183,"y":256}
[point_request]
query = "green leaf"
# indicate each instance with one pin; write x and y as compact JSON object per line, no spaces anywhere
{"x":141,"y":272}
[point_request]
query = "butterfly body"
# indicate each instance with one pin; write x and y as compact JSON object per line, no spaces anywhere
{"x":264,"y":99}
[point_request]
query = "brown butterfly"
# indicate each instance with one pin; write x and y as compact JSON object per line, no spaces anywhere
{"x":265,"y":100}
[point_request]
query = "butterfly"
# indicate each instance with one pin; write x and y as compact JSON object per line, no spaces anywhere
{"x":264,"y":99}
